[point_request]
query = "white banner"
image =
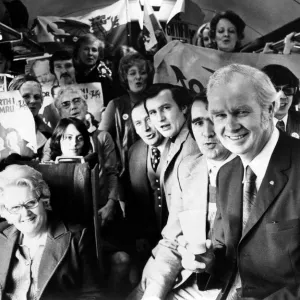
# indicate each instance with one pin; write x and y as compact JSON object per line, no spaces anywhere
{"x":190,"y":66}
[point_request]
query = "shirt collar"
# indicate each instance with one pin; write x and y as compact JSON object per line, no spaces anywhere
{"x":217,"y":164}
{"x":260,"y":163}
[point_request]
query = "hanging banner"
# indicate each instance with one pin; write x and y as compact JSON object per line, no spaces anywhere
{"x":109,"y":24}
{"x":17,"y":127}
{"x":191,"y":66}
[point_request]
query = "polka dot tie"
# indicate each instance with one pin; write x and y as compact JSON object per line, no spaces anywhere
{"x":155,"y":158}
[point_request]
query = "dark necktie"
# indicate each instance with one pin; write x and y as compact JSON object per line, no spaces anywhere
{"x":155,"y":158}
{"x":280,"y":125}
{"x":249,"y":197}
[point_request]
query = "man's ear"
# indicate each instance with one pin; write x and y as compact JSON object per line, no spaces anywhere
{"x":184,"y":109}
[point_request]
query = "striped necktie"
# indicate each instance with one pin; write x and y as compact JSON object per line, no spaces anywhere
{"x":249,"y":197}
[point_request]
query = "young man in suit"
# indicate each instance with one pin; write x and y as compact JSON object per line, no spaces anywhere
{"x":256,"y":233}
{"x":144,"y":171}
{"x":287,"y":84}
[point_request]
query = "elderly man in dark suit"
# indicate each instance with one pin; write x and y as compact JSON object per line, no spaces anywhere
{"x":287,"y":84}
{"x":256,"y":242}
{"x":144,"y":171}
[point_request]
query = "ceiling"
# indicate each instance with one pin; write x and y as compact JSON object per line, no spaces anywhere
{"x":261,"y":16}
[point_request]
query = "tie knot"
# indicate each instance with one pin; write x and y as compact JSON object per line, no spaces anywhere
{"x":280,"y":125}
{"x":250,"y":175}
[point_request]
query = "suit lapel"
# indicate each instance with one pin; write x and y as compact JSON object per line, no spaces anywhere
{"x":234,"y":195}
{"x":57,"y":245}
{"x":273,"y":183}
{"x":173,"y":149}
{"x":8,"y":240}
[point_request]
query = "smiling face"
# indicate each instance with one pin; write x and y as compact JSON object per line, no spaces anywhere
{"x":286,"y":100}
{"x":64,"y":71}
{"x":71,"y":142}
{"x":240,"y":123}
{"x":137,"y":77}
{"x":206,"y":38}
{"x":165,"y":114}
{"x":144,"y":128}
{"x":226,"y":36}
{"x":29,"y":221}
{"x":203,"y":130}
{"x":32,"y":94}
{"x":89,"y":53}
{"x":72,"y":105}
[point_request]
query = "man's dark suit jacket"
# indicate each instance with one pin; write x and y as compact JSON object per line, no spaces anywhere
{"x":67,"y":269}
{"x":293,"y":123}
{"x":142,"y":202}
{"x":268,"y":252}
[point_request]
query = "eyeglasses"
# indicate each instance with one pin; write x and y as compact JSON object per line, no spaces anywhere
{"x":30,"y":204}
{"x":288,"y":91}
{"x":75,"y":101}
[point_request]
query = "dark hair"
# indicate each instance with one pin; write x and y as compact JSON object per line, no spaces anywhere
{"x":180,"y":95}
{"x":19,"y":80}
{"x":201,"y":97}
{"x":87,"y":38}
{"x":94,"y":121}
{"x":130,"y":60}
{"x":235,"y":19}
{"x":59,"y":55}
{"x":281,"y":75}
{"x":59,"y":132}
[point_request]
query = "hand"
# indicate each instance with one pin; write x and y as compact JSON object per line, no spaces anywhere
{"x":289,"y":43}
{"x":196,"y":263}
{"x":107,"y":212}
{"x":268,"y":48}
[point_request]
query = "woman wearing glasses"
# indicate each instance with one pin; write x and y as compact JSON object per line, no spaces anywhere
{"x":287,"y":85}
{"x":41,"y":257}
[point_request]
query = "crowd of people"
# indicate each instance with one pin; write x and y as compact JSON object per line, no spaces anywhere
{"x":228,"y":157}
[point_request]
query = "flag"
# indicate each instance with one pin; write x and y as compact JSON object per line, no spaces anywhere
{"x":179,"y":7}
{"x":148,"y":27}
{"x":108,"y":23}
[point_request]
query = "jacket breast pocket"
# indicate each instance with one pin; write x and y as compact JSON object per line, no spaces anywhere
{"x":292,"y":225}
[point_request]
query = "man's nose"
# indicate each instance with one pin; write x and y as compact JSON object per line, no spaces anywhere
{"x":160,"y":116}
{"x":232,"y":123}
{"x":208,"y":130}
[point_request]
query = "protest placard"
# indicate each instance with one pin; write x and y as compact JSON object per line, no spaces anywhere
{"x":92,"y":93}
{"x":17,"y":127}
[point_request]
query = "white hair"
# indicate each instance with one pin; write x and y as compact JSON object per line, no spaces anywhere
{"x":265,"y":92}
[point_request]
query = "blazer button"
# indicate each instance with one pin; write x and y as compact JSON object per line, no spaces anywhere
{"x":159,"y":197}
{"x":159,"y":205}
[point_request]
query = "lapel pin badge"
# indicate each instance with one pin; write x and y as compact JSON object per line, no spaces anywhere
{"x":272,"y":182}
{"x":125,"y":117}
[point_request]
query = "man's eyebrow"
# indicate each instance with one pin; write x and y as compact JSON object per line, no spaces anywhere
{"x":241,"y":107}
{"x":195,"y":120}
{"x":216,"y":111}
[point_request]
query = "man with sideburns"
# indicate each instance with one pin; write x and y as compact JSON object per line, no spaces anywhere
{"x":256,"y":245}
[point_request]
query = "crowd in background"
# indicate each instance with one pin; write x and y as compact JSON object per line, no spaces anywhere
{"x":148,"y":143}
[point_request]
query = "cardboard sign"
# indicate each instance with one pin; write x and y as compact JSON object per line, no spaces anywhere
{"x":17,"y":127}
